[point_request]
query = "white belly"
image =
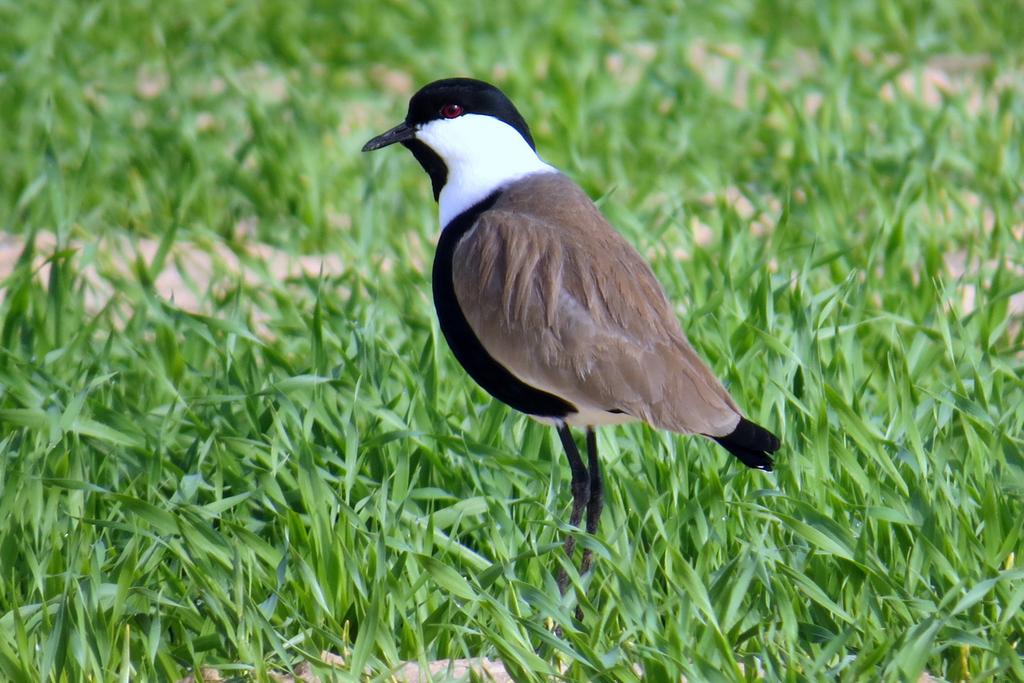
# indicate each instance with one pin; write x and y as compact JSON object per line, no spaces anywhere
{"x":588,"y":417}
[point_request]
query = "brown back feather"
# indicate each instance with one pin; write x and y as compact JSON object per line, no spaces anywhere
{"x":568,"y":305}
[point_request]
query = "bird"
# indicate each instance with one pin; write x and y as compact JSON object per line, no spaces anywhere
{"x":545,"y":305}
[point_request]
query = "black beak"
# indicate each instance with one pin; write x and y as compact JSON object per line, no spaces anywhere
{"x":402,"y":131}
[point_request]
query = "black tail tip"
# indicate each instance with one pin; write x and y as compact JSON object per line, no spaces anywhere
{"x":751,"y":443}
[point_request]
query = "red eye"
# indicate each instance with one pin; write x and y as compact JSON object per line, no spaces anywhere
{"x":451,"y":111}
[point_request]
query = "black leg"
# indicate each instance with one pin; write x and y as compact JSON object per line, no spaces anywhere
{"x":580,"y":496}
{"x":596,"y":502}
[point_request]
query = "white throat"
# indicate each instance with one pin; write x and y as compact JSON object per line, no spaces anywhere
{"x":483,"y":154}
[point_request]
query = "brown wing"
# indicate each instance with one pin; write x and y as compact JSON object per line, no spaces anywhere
{"x":568,"y":306}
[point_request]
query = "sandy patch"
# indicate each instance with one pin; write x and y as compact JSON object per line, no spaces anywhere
{"x":192,"y":277}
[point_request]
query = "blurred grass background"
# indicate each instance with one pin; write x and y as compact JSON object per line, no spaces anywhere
{"x":273,"y":462}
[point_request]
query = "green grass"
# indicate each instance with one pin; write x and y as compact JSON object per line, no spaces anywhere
{"x":299,"y":465}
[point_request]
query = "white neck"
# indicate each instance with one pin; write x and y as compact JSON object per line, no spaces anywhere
{"x":483,"y":154}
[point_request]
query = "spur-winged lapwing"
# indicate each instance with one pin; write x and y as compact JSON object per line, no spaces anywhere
{"x":543,"y":303}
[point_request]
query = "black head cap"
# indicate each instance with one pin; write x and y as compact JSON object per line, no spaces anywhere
{"x":475,"y":97}
{"x":452,"y":95}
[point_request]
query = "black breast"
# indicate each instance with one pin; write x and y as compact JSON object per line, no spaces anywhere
{"x":487,"y":372}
